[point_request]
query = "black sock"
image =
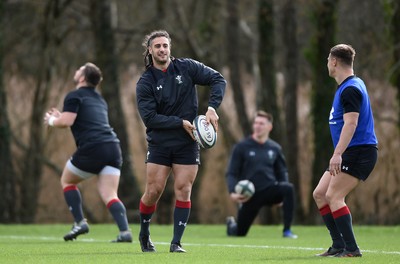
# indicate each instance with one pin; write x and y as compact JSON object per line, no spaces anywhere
{"x":146,"y":212}
{"x":73,"y":198}
{"x":344,"y":224}
{"x":181,"y":216}
{"x":337,"y":240}
{"x":118,"y":211}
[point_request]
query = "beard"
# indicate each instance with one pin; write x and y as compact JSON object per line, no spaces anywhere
{"x":161,"y":60}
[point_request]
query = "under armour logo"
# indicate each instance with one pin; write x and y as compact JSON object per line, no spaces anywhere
{"x":146,"y":221}
{"x":182,"y":223}
{"x":345,"y":168}
{"x":159,"y":87}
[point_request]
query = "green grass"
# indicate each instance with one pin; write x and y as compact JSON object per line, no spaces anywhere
{"x":204,"y":244}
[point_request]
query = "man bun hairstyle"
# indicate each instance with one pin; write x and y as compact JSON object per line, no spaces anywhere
{"x":345,"y":53}
{"x":148,"y":60}
{"x":92,"y":74}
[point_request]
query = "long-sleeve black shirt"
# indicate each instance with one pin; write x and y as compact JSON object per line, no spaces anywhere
{"x":167,"y":98}
{"x":262,"y":164}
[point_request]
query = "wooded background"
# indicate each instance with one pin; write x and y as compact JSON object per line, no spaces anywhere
{"x":273,"y":54}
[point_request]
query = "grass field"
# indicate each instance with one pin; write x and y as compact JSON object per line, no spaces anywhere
{"x":204,"y":244}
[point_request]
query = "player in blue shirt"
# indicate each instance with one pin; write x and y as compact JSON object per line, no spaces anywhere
{"x":98,"y":151}
{"x":355,"y":151}
{"x":167,"y":102}
{"x":260,"y":160}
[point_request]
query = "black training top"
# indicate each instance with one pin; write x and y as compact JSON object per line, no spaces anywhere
{"x":262,"y":164}
{"x":167,"y":98}
{"x":91,"y":124}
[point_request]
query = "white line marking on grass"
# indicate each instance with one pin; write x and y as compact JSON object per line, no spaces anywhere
{"x":279,"y":247}
{"x":91,"y":240}
{"x":46,"y":238}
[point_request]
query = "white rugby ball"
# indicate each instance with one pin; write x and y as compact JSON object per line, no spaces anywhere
{"x":204,"y":132}
{"x":245,"y":187}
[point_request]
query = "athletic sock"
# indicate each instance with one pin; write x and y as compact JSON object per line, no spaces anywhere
{"x":146,"y":212}
{"x":327,"y":216}
{"x":288,"y":206}
{"x":181,"y":216}
{"x":118,"y":211}
{"x":344,"y":224}
{"x":73,"y":198}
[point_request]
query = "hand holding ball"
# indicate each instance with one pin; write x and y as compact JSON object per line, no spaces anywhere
{"x":204,"y":132}
{"x":245,"y":187}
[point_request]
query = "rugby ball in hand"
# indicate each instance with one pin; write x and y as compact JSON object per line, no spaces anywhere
{"x":204,"y":132}
{"x":245,"y":187}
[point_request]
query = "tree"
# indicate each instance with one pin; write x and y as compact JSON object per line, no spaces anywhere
{"x":232,"y":39}
{"x":324,"y":21}
{"x":267,"y":97}
{"x":107,"y":60}
{"x":290,"y":73}
{"x":32,"y":165}
{"x":206,"y":29}
{"x":7,"y":184}
{"x":395,"y":36}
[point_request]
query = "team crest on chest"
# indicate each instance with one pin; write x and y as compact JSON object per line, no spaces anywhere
{"x":271,"y":154}
{"x":179,"y":79}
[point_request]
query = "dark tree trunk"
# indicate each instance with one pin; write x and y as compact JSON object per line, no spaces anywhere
{"x":233,"y":36}
{"x":290,"y":98}
{"x":7,"y":180}
{"x":395,"y":35}
{"x":323,"y":88}
{"x":107,"y":60}
{"x":267,"y":97}
{"x":32,"y":165}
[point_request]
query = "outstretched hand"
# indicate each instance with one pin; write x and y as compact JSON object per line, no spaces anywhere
{"x":53,"y":112}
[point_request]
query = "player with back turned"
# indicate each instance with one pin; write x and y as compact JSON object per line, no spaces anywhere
{"x":355,"y":151}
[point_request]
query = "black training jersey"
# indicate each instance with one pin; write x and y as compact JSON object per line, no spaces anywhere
{"x":262,"y":164}
{"x":167,"y":98}
{"x":91,"y":124}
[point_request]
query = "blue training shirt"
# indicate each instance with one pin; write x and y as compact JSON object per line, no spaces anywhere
{"x":165,"y":99}
{"x":364,"y":133}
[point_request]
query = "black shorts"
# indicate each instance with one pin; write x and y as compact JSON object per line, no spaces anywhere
{"x":94,"y":158}
{"x":188,"y":154}
{"x":359,"y":161}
